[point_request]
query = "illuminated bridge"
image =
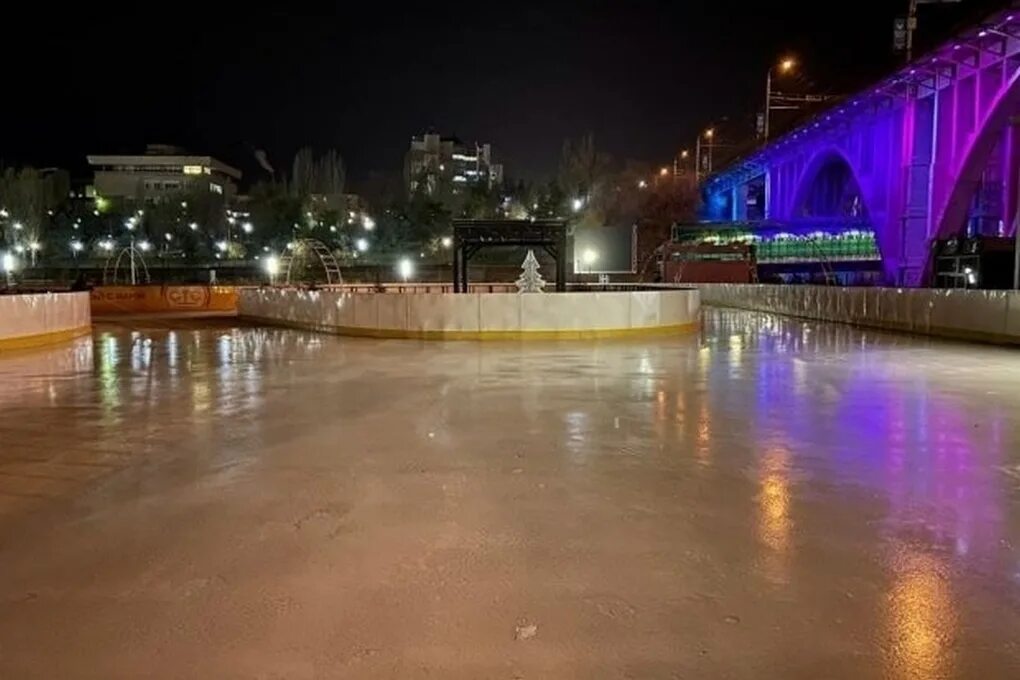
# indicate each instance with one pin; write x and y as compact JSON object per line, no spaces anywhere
{"x":930,"y":153}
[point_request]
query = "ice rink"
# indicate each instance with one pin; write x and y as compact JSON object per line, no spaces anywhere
{"x":768,"y":499}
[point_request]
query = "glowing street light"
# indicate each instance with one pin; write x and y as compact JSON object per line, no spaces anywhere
{"x":248,"y":227}
{"x":446,"y":242}
{"x":589,"y":257}
{"x":577,"y":204}
{"x":222,"y":246}
{"x":144,"y":246}
{"x":367,"y":222}
{"x":18,"y":226}
{"x":405,"y":268}
{"x":709,"y":136}
{"x":19,"y":248}
{"x":193,"y":226}
{"x":784,"y":66}
{"x":272,"y":267}
{"x":361,"y":244}
{"x":663,"y":171}
{"x":76,"y":246}
{"x":106,"y":245}
{"x":642,"y":184}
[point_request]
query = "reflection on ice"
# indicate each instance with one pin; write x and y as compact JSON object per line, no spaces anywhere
{"x":855,"y":484}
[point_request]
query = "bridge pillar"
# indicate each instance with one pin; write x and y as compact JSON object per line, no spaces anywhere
{"x":738,"y":203}
{"x":1011,"y":178}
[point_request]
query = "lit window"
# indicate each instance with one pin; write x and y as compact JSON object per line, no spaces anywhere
{"x":192,"y":169}
{"x":215,"y":188}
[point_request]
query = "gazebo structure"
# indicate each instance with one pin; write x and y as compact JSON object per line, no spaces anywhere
{"x":471,"y":236}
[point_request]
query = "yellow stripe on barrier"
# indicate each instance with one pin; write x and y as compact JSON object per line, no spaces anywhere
{"x":42,"y":339}
{"x":397,"y":334}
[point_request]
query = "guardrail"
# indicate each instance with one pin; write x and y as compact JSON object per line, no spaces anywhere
{"x":982,"y":315}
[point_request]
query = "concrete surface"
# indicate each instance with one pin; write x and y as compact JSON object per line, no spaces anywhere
{"x":774,"y":499}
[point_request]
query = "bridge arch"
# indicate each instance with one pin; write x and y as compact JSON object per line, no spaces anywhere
{"x":829,"y":187}
{"x":966,"y":176}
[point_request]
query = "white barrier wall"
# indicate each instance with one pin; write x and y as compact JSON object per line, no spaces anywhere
{"x":41,"y":319}
{"x":474,"y":315}
{"x":987,"y":315}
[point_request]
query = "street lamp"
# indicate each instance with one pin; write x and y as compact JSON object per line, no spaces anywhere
{"x":272,"y":265}
{"x":361,"y":244}
{"x":785,"y":66}
{"x":447,"y":242}
{"x":577,"y":204}
{"x":33,"y":248}
{"x":405,"y":268}
{"x":709,"y":136}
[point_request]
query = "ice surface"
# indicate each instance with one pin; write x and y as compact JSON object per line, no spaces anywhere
{"x":772,"y":499}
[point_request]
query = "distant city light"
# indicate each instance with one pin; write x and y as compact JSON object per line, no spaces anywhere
{"x":19,"y":248}
{"x":144,"y":246}
{"x":361,"y":244}
{"x":106,"y":245}
{"x":168,"y":236}
{"x":4,"y":213}
{"x":405,"y":268}
{"x":577,"y":204}
{"x":222,"y":246}
{"x":34,"y":246}
{"x":642,"y":184}
{"x":446,"y":241}
{"x":663,"y":171}
{"x":367,"y":222}
{"x":248,"y":227}
{"x":76,"y":246}
{"x":272,"y":265}
{"x":18,"y":226}
{"x":193,"y":226}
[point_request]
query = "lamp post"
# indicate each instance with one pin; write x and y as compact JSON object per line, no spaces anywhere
{"x":679,"y":163}
{"x":709,"y":136}
{"x":785,"y":66}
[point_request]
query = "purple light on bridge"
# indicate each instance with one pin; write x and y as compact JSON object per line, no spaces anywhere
{"x":917,"y":162}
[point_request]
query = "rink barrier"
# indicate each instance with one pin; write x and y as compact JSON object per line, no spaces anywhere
{"x":38,"y":320}
{"x":980,"y":315}
{"x":108,"y":300}
{"x":476,"y":316}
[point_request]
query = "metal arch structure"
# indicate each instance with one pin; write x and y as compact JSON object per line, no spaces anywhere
{"x":934,"y":150}
{"x":135,"y":258}
{"x":471,"y":236}
{"x":322,"y":252}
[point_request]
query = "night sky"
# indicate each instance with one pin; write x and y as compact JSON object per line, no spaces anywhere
{"x":644,"y":77}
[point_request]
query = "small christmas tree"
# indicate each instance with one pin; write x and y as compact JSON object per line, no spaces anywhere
{"x":531,"y":281}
